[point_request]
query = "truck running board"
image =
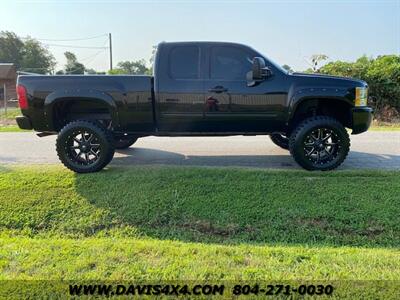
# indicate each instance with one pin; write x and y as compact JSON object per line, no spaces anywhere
{"x":43,"y":134}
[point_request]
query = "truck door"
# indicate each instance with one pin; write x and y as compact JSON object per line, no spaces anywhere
{"x":230,"y":105}
{"x":180,"y":88}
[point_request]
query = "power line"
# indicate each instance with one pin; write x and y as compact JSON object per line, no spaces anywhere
{"x":92,"y":57}
{"x":89,"y":57}
{"x":86,"y":60}
{"x":89,"y":60}
{"x":73,"y":46}
{"x":67,"y":40}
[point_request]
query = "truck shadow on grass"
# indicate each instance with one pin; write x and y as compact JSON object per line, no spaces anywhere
{"x":221,"y":205}
{"x":147,"y":156}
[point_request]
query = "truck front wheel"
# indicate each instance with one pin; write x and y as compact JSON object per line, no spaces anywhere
{"x":84,"y":146}
{"x":319,"y":143}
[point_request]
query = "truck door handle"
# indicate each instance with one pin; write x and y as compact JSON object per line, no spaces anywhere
{"x":218,"y":89}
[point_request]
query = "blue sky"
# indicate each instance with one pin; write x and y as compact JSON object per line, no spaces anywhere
{"x":289,"y":32}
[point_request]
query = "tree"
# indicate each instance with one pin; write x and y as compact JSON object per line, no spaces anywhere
{"x":316,"y":59}
{"x":131,"y":67}
{"x":90,"y":71}
{"x":73,"y":66}
{"x":357,"y":69}
{"x":11,"y":48}
{"x":116,"y":72}
{"x":28,"y":56}
{"x":152,"y":59}
{"x":287,"y":68}
{"x":153,"y":54}
{"x":383,"y":77}
{"x":36,"y":58}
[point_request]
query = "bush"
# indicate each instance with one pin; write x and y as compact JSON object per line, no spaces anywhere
{"x":383,"y":77}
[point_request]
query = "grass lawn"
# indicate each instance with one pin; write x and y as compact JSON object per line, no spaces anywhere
{"x":385,"y":127}
{"x":9,"y":118}
{"x":11,"y":128}
{"x":172,"y":223}
{"x":7,"y":121}
{"x":12,"y":112}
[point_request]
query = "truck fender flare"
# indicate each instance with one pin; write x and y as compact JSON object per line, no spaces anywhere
{"x":304,"y":94}
{"x":82,"y":95}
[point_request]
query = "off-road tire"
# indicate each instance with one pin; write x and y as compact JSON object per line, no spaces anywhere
{"x":71,"y":141}
{"x":303,"y":141}
{"x":280,"y":140}
{"x":124,"y":142}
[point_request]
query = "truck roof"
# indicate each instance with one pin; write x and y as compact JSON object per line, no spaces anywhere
{"x":201,"y":43}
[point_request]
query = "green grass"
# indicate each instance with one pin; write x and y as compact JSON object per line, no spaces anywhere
{"x":385,"y":128}
{"x":11,"y":113}
{"x":202,"y":224}
{"x":12,"y":128}
{"x":7,"y":121}
{"x":357,"y":208}
{"x":150,"y":259}
{"x":198,"y":223}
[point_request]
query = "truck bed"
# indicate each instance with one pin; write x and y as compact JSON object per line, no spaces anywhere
{"x":129,"y":95}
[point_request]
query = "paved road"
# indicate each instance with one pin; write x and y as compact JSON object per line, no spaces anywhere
{"x":371,"y":150}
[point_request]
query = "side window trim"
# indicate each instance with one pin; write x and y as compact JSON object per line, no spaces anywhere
{"x":198,"y":64}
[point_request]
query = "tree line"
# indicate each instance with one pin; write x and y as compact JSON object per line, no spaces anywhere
{"x":383,"y":77}
{"x":29,"y":55}
{"x":381,"y":73}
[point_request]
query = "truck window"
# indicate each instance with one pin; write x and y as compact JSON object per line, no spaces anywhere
{"x":184,"y":62}
{"x":229,"y":63}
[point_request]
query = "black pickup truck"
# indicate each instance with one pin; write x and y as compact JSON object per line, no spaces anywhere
{"x":198,"y":89}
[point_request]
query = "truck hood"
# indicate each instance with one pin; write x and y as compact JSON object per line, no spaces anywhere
{"x":329,"y":79}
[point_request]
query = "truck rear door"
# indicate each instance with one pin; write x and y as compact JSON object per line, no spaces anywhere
{"x":179,"y":87}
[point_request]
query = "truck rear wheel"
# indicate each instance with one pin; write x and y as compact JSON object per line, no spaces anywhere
{"x":280,"y":140}
{"x":124,"y":142}
{"x":319,"y":143}
{"x":84,"y":146}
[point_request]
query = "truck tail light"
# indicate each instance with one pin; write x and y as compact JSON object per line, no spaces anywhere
{"x":22,"y":98}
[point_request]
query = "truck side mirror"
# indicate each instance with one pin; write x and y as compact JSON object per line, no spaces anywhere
{"x":259,"y":72}
{"x":258,"y":66}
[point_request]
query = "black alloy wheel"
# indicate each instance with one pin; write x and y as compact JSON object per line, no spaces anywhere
{"x":85,"y":147}
{"x":322,"y":145}
{"x":319,"y":143}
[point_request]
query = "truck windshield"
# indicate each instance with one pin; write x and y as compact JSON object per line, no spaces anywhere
{"x":271,"y":62}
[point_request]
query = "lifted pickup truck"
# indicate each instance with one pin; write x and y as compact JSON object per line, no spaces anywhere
{"x":198,"y":89}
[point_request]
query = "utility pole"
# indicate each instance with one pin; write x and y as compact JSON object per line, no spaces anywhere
{"x":5,"y":99}
{"x":110,"y":46}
